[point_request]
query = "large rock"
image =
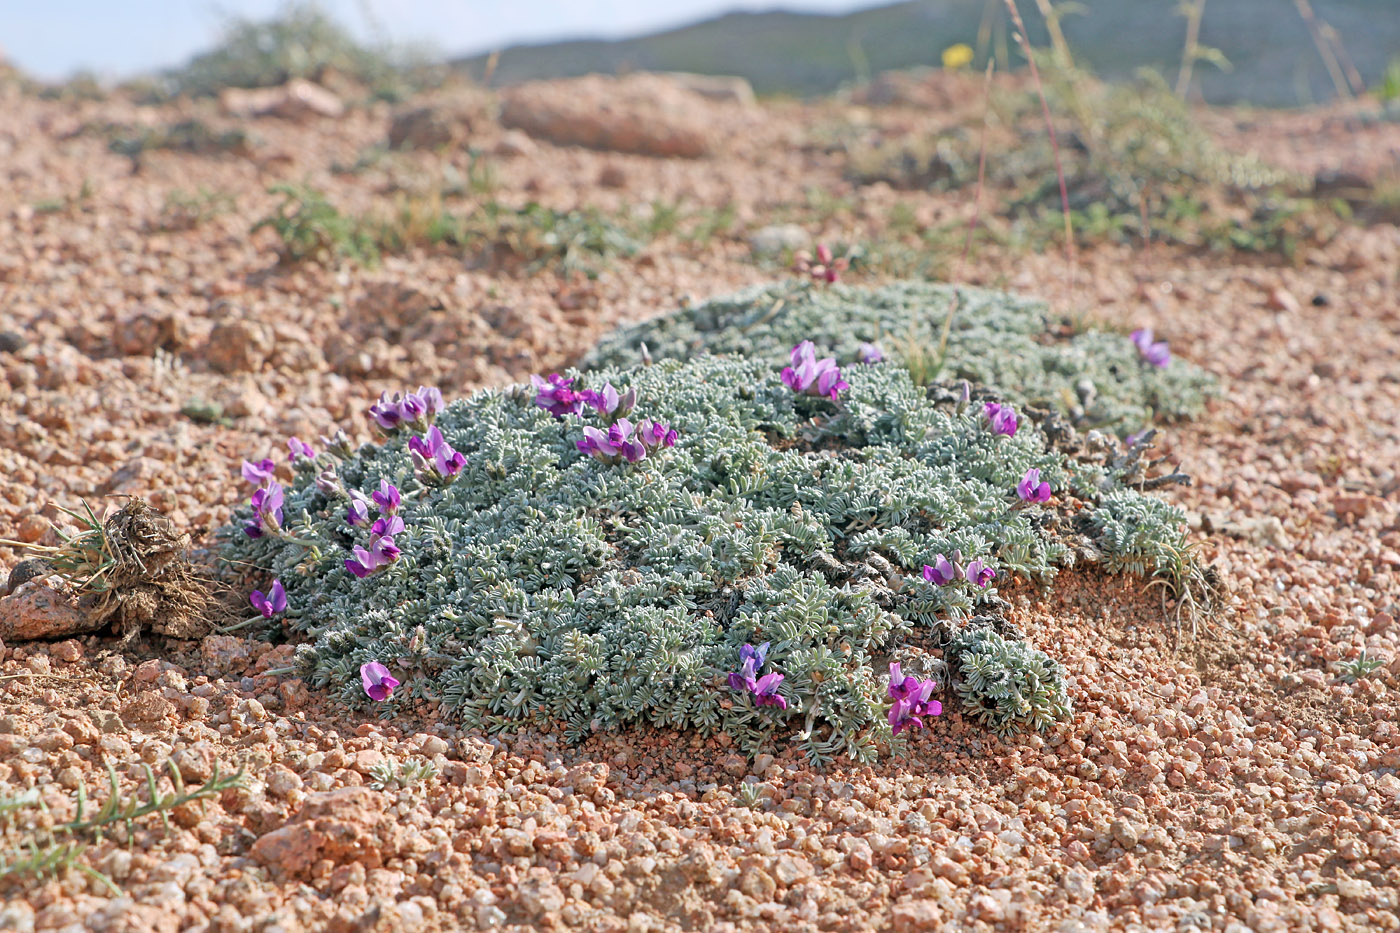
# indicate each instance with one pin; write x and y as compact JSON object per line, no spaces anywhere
{"x":298,"y":99}
{"x":36,"y":611}
{"x":641,"y":113}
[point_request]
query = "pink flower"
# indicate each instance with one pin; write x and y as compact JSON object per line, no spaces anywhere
{"x":912,"y":700}
{"x":1031,"y":489}
{"x":259,"y":472}
{"x":377,"y":680}
{"x":274,"y":602}
{"x":1157,"y":354}
{"x":299,"y":449}
{"x":557,"y":396}
{"x":810,"y":376}
{"x":1002,"y":417}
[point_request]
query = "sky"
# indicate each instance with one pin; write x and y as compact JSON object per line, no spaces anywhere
{"x":52,"y":39}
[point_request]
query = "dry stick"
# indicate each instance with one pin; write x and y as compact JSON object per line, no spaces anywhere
{"x":976,"y":215}
{"x":1054,"y":141}
{"x":1195,"y":12}
{"x":1329,"y":58}
{"x":1358,"y":84}
{"x":1057,"y":35}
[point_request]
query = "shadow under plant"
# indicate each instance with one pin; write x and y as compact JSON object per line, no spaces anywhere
{"x":554,"y":563}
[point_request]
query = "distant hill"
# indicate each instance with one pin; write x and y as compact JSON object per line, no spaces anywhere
{"x":1275,"y":61}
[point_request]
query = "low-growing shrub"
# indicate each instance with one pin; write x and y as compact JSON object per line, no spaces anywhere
{"x":1007,"y":685}
{"x":1005,"y":343}
{"x":539,"y":576}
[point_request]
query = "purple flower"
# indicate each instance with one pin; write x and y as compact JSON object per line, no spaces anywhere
{"x":765,"y":688}
{"x":260,"y":472}
{"x":1155,"y":353}
{"x":750,"y":660}
{"x":617,"y":442}
{"x":912,"y":700}
{"x":386,"y":412}
{"x":944,"y":570}
{"x":387,"y":527}
{"x":979,"y":573}
{"x":434,"y":453}
{"x":381,"y":552}
{"x":299,"y":449}
{"x":556,"y":397}
{"x":765,"y":691}
{"x":362,"y":564}
{"x":267,"y":511}
{"x":358,"y":513}
{"x":656,"y":434}
{"x":274,"y":602}
{"x":608,"y":403}
{"x":1031,"y":489}
{"x":870,"y":353}
{"x":431,"y":397}
{"x":1002,"y":417}
{"x":809,"y":376}
{"x":378,"y":682}
{"x":387,"y":497}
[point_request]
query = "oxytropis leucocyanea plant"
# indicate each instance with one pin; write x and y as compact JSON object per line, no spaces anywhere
{"x":604,"y":549}
{"x":1010,"y":345}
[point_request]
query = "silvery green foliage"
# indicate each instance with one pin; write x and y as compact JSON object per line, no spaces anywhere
{"x":546,"y":586}
{"x":1141,"y":535}
{"x":999,"y":341}
{"x":1007,"y":685}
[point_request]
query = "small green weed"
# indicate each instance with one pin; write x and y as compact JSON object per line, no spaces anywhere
{"x":1363,"y":665}
{"x":310,"y":227}
{"x":391,"y":775}
{"x":48,"y":852}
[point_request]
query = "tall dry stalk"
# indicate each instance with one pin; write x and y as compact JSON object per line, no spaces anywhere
{"x":1053,"y":14}
{"x":1319,"y":31}
{"x":1194,"y":11}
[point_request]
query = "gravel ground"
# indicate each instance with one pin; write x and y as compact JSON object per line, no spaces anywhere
{"x":1228,"y":782}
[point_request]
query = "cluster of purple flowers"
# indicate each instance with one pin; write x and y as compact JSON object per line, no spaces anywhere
{"x":1032,"y":489}
{"x":267,"y":511}
{"x":870,"y":353}
{"x":765,"y":688}
{"x":557,"y":396}
{"x":1002,"y":417}
{"x":434,"y":460}
{"x":945,"y":570}
{"x":624,"y":442}
{"x":382,"y":550}
{"x":810,"y":376}
{"x":1156,"y":353}
{"x":413,"y":409}
{"x":270,"y":603}
{"x":911,"y":700}
{"x":379,"y":684}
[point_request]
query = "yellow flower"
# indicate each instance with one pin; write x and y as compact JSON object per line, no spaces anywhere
{"x":957,"y":56}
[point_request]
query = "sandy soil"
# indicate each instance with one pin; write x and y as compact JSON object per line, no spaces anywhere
{"x":1228,"y":782}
